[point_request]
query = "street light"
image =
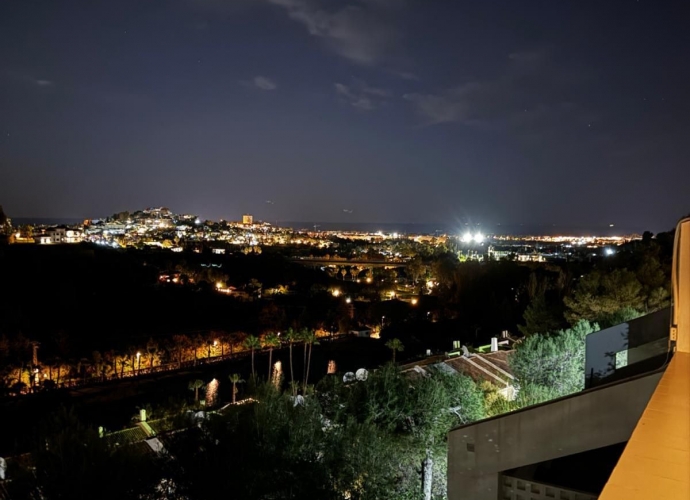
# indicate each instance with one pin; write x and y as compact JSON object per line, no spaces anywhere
{"x":138,"y":363}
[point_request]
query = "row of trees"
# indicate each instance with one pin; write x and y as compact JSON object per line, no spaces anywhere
{"x":305,"y":336}
{"x":19,"y":376}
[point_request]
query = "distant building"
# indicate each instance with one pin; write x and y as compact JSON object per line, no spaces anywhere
{"x":248,"y":219}
{"x":59,"y":234}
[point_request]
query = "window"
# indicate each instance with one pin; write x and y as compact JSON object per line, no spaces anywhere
{"x":470,"y":447}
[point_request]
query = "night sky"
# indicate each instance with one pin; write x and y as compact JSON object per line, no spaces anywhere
{"x":512,"y":112}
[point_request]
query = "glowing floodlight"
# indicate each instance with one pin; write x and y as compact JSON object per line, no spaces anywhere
{"x":467,"y":237}
{"x":478,"y":238}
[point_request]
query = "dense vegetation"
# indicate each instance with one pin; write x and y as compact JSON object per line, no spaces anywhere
{"x":383,"y":437}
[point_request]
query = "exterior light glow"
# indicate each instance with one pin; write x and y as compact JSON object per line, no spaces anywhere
{"x":478,"y":238}
{"x":467,"y":237}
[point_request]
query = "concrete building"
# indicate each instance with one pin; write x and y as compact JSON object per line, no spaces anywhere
{"x":247,"y":219}
{"x":629,"y":430}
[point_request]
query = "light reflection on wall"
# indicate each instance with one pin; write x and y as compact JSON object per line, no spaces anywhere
{"x":277,"y":374}
{"x":331,"y":367}
{"x":212,"y":392}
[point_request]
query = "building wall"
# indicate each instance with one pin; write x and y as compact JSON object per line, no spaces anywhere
{"x":637,"y":339}
{"x":513,"y":488}
{"x":479,"y":452}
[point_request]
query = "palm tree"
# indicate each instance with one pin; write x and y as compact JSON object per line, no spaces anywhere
{"x":354,"y":271}
{"x":178,"y":344}
{"x":311,"y":339}
{"x":122,"y":361}
{"x":131,"y":359}
{"x":152,"y":349}
{"x":209,"y":344}
{"x":271,"y":340}
{"x":303,"y":335}
{"x":396,"y":346}
{"x":235,"y":339}
{"x":197,"y":341}
{"x":99,"y":365}
{"x":252,"y":343}
{"x":57,"y":364}
{"x":234,"y":380}
{"x":195,"y":385}
{"x":223,"y":339}
{"x":292,"y":336}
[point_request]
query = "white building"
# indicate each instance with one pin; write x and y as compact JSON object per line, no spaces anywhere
{"x":59,"y":234}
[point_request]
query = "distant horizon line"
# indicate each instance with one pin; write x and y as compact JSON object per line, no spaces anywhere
{"x":292,"y":221}
{"x":405,"y":227}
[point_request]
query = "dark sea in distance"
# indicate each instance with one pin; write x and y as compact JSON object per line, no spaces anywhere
{"x":412,"y":228}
